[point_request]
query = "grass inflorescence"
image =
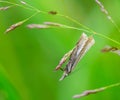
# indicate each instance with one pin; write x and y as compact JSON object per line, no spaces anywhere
{"x":82,"y":28}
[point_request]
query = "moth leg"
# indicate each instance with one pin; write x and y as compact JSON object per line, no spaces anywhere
{"x":61,"y":69}
{"x":63,"y":76}
{"x":63,"y":60}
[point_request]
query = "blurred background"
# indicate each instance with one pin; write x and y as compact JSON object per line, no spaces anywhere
{"x":28,"y":57}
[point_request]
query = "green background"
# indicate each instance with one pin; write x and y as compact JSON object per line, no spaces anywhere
{"x":28,"y":57}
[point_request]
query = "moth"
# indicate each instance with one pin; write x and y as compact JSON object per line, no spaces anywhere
{"x":75,"y":55}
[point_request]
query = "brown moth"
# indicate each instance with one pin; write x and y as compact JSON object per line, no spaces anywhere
{"x":82,"y":46}
{"x":52,"y":12}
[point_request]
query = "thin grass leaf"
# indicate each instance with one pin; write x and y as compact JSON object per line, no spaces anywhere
{"x":37,"y":26}
{"x":82,"y":46}
{"x":111,"y":49}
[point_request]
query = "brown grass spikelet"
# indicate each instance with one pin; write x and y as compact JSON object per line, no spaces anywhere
{"x":14,"y":26}
{"x":5,"y":8}
{"x":23,"y":2}
{"x":52,"y":24}
{"x":88,"y":92}
{"x":111,"y":49}
{"x":38,"y":26}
